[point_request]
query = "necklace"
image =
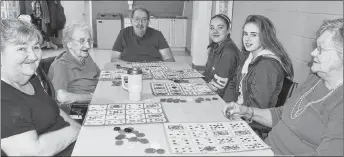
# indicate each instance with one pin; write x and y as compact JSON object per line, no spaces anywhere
{"x":298,"y":103}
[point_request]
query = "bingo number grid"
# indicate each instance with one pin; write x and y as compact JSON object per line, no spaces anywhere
{"x":181,"y":89}
{"x":176,"y":74}
{"x":146,"y":64}
{"x":153,"y":69}
{"x":218,"y":137}
{"x":116,"y":74}
{"x":130,"y":113}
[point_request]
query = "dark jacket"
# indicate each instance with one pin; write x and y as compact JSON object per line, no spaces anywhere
{"x":262,"y":84}
{"x":223,"y":60}
{"x":57,"y":16}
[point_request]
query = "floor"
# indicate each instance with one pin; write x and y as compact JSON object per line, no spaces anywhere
{"x":101,"y":57}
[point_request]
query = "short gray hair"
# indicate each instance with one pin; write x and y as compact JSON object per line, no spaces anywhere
{"x":336,"y":27}
{"x":17,"y":31}
{"x":70,"y":28}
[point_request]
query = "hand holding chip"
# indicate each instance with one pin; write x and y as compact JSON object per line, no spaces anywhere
{"x":213,"y":85}
{"x":233,"y":109}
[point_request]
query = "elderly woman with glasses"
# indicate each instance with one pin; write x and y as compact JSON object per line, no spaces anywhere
{"x":31,"y":122}
{"x":74,"y":74}
{"x":311,"y":121}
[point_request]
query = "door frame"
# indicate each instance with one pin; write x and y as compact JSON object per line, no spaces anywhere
{"x":225,"y":7}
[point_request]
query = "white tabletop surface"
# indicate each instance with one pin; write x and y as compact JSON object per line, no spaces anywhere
{"x":100,"y":140}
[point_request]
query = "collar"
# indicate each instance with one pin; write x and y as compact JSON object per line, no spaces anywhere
{"x":136,"y":36}
{"x":215,"y":46}
{"x":265,"y":52}
{"x":73,"y":60}
{"x":132,"y":31}
{"x":250,"y":59}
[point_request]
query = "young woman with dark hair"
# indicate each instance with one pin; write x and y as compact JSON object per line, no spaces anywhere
{"x":224,"y":55}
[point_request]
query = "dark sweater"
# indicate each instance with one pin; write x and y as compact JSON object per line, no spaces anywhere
{"x":223,"y":61}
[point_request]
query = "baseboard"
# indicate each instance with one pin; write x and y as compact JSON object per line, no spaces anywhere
{"x":187,"y":51}
{"x":198,"y":67}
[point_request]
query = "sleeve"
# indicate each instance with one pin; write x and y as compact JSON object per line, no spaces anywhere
{"x":225,"y":67}
{"x":162,"y":43}
{"x":276,"y":114}
{"x":120,"y":42}
{"x":207,"y":70}
{"x":230,"y":91}
{"x":98,"y":71}
{"x":95,"y":66}
{"x":332,"y":140}
{"x":16,"y":119}
{"x":264,"y":82}
{"x":205,"y":74}
{"x":228,"y":62}
{"x":59,"y":76}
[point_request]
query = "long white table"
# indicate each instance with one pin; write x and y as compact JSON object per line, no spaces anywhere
{"x":100,"y":140}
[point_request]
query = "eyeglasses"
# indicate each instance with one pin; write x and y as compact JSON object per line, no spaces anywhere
{"x":320,"y":50}
{"x":137,"y":20}
{"x":82,"y":41}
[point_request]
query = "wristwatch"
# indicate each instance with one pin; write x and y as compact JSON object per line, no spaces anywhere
{"x":252,"y":114}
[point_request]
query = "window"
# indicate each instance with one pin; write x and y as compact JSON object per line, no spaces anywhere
{"x":9,"y":9}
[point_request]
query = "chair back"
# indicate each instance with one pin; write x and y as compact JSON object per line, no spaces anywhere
{"x":42,"y":74}
{"x":46,"y":63}
{"x":287,"y":89}
{"x":78,"y":110}
{"x":47,"y":85}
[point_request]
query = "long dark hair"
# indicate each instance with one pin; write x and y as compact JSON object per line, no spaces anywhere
{"x":267,"y":37}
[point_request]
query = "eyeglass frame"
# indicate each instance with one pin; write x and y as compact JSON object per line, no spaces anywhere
{"x":320,"y":49}
{"x":138,"y":20}
{"x":82,"y":41}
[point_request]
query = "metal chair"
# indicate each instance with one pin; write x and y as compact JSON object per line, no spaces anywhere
{"x":42,"y":72}
{"x":287,"y":89}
